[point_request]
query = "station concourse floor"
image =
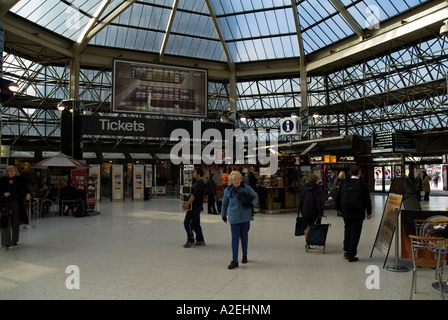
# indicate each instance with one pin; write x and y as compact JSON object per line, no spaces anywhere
{"x":134,"y":250}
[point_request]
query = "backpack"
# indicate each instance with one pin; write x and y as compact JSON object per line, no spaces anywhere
{"x":351,"y":197}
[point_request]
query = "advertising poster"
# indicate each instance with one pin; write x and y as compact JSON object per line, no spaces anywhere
{"x":388,"y":223}
{"x":138,"y":175}
{"x":78,"y":177}
{"x":117,"y":183}
{"x":148,"y":176}
{"x":95,"y":172}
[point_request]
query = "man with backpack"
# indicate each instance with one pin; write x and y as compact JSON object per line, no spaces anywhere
{"x":353,"y":201}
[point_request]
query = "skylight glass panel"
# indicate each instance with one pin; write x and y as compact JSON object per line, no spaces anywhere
{"x":87,"y":6}
{"x":195,"y":47}
{"x":64,"y":19}
{"x":193,"y":5}
{"x":252,"y":30}
{"x":370,"y":13}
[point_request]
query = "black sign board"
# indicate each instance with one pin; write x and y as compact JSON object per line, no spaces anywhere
{"x":382,"y":142}
{"x":404,"y":141}
{"x":393,"y":141}
{"x":133,"y":126}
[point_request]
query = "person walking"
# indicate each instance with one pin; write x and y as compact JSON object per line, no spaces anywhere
{"x":13,"y":192}
{"x":210,"y":188}
{"x":252,"y":181}
{"x":418,"y":186}
{"x":353,"y":201}
{"x":426,"y":186}
{"x":435,"y":180}
{"x":238,"y":208}
{"x":336,"y":184}
{"x":192,"y":221}
{"x":311,"y":202}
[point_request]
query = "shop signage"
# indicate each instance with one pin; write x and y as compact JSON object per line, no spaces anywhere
{"x":332,"y":159}
{"x":314,"y":159}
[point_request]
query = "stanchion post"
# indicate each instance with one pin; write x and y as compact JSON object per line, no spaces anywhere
{"x":397,"y":267}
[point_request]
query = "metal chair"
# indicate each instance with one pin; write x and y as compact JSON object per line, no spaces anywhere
{"x":46,"y":203}
{"x":68,"y":203}
{"x":33,"y":208}
{"x":428,"y":253}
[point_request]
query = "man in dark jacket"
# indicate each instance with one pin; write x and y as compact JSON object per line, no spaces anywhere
{"x":192,"y":222}
{"x":311,"y":202}
{"x":67,"y":197}
{"x":353,"y":201}
{"x":210,"y":187}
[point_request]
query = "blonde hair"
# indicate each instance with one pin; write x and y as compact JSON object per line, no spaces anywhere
{"x":235,"y":173}
{"x":10,"y":168}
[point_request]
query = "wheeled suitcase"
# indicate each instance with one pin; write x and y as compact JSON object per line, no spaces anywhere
{"x":317,"y":237}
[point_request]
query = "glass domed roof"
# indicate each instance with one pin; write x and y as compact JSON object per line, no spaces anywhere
{"x":231,"y":31}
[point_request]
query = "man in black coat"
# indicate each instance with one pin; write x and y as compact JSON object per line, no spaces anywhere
{"x":192,"y":221}
{"x":353,"y":201}
{"x":210,"y":188}
{"x":68,"y":195}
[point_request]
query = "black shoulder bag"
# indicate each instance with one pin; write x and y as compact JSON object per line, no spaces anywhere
{"x":6,"y":207}
{"x":246,"y":199}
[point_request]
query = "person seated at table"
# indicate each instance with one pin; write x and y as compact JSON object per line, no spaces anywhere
{"x":67,"y":193}
{"x":46,"y":199}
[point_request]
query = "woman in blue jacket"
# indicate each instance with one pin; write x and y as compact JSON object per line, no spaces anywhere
{"x":239,"y":214}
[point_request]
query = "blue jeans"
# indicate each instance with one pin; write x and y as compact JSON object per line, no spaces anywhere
{"x":239,"y":231}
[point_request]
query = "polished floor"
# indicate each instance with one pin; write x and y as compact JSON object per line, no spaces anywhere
{"x":133,"y":250}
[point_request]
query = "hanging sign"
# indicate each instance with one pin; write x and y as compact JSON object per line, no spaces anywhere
{"x":290,"y":126}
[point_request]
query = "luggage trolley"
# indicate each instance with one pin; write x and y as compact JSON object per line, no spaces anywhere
{"x":317,"y":236}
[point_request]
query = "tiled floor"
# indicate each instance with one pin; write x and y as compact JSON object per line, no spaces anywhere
{"x":133,"y":250}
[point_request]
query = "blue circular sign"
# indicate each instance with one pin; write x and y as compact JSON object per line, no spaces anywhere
{"x":288,"y":126}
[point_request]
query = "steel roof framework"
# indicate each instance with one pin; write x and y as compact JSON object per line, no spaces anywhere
{"x":378,"y":98}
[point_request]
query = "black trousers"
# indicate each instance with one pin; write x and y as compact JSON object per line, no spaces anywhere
{"x":10,"y":234}
{"x":192,"y":224}
{"x":352,"y":234}
{"x":211,"y":204}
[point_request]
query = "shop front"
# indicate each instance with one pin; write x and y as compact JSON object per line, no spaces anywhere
{"x":327,"y":167}
{"x":280,"y":191}
{"x":384,"y":169}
